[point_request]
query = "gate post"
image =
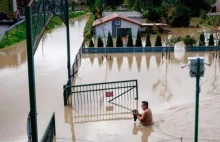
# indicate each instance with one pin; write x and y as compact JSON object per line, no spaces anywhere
{"x":31,"y":76}
{"x":68,"y":41}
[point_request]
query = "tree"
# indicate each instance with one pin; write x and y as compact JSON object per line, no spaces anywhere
{"x":158,"y":41}
{"x":137,"y":6}
{"x":153,"y":14}
{"x":148,"y":42}
{"x":110,"y":40}
{"x":91,"y":44}
{"x":179,"y":16}
{"x":128,"y":3}
{"x":202,"y":39}
{"x":100,"y":42}
{"x":130,"y":40}
{"x":211,"y":40}
{"x":119,"y":42}
{"x":189,"y":40}
{"x":138,"y":42}
{"x":113,"y":3}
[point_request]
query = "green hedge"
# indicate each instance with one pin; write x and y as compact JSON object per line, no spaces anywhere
{"x":88,"y":28}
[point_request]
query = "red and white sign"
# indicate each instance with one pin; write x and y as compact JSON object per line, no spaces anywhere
{"x":109,"y":94}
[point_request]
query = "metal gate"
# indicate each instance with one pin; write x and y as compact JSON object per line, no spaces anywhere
{"x":103,"y":101}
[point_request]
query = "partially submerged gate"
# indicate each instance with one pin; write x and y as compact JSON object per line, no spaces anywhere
{"x":102,"y":101}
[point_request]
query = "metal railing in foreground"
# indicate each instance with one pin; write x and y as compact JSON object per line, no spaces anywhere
{"x":50,"y":131}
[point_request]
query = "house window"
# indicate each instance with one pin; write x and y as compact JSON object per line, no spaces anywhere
{"x":117,"y":22}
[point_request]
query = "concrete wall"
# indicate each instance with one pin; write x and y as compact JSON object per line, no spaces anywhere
{"x":108,"y":27}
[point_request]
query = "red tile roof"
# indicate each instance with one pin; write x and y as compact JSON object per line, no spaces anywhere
{"x":112,"y":17}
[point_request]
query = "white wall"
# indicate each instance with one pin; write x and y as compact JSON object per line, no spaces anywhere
{"x":107,"y":27}
{"x":134,"y":27}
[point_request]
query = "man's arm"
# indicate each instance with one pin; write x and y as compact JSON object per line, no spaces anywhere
{"x":142,"y":117}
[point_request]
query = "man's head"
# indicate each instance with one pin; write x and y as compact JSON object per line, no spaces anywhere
{"x":144,"y":105}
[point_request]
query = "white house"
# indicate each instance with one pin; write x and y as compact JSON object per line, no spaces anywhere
{"x":115,"y":23}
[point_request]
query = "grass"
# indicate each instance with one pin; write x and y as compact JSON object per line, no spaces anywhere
{"x":16,"y":35}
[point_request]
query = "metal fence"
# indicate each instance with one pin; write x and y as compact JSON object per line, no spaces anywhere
{"x":50,"y":130}
{"x":42,"y":12}
{"x":103,"y":101}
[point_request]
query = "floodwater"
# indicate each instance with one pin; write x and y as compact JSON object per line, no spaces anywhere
{"x":168,"y":88}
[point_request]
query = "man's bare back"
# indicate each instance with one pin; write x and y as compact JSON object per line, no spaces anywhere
{"x":147,"y":118}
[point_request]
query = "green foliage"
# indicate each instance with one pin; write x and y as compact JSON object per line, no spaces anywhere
{"x":211,"y":40}
{"x":148,"y":42}
{"x":203,"y":14}
{"x":100,"y":42}
{"x":113,"y":3}
{"x":137,"y":6}
{"x":179,"y":16}
{"x":158,"y":41}
{"x":119,"y":42}
{"x":174,"y":39}
{"x":189,"y":40}
{"x":153,"y":14}
{"x":87,"y":34}
{"x":91,"y":44}
{"x":110,"y":40}
{"x":202,"y":39}
{"x":130,"y":40}
{"x":138,"y":42}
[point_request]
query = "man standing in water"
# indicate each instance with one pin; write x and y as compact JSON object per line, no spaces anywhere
{"x":145,"y":118}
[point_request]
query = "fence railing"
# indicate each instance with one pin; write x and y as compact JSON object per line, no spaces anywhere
{"x":110,"y":90}
{"x":50,"y":131}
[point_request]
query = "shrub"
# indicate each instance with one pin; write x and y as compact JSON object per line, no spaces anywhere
{"x":91,"y":44}
{"x":202,"y":39}
{"x":100,"y":42}
{"x":211,"y":40}
{"x":138,"y":42}
{"x":148,"y":42}
{"x":88,"y":28}
{"x":130,"y":40}
{"x":189,"y":40}
{"x":158,"y":41}
{"x":119,"y":42}
{"x":173,"y":40}
{"x":110,"y":40}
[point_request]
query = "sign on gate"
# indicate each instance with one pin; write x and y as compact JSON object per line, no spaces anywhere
{"x":109,"y":94}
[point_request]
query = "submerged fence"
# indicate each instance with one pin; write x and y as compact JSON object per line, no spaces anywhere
{"x":50,"y":130}
{"x":103,"y":101}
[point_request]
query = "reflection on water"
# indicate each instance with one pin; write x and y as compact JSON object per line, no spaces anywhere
{"x":146,"y":131}
{"x":13,"y":56}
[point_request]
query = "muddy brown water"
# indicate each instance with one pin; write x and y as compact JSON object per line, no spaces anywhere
{"x":168,"y":88}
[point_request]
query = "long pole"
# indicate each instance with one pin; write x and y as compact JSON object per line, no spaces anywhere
{"x":68,"y":41}
{"x":31,"y":75}
{"x":197,"y":100}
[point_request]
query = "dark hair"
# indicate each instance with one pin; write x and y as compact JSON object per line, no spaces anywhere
{"x":145,"y":103}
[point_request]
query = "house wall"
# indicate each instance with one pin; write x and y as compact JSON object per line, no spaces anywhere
{"x":218,"y":6}
{"x":106,"y":26}
{"x":110,"y":26}
{"x":134,"y":27}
